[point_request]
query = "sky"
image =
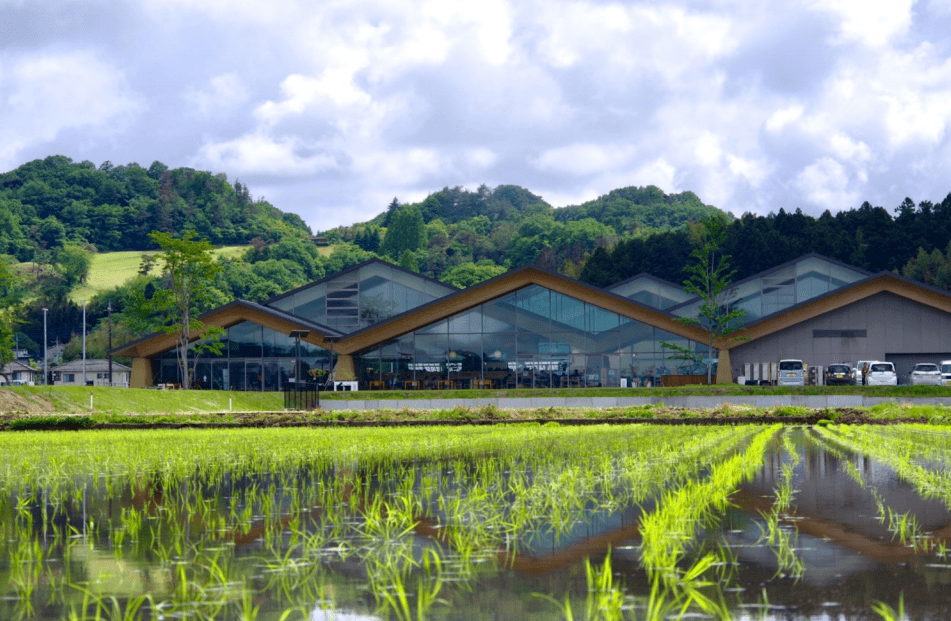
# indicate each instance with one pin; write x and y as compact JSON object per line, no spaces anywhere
{"x":331,"y":109}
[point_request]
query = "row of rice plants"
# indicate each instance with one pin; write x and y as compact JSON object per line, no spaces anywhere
{"x":901,"y":447}
{"x":218,"y":519}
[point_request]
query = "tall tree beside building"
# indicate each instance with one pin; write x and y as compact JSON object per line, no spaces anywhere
{"x":189,"y":271}
{"x":710,"y":277}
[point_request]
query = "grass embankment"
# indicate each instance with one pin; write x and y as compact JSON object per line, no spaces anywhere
{"x":64,"y":407}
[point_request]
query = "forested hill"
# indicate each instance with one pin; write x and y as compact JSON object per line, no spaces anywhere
{"x":457,"y":230}
{"x":47,"y":203}
{"x":627,"y":210}
{"x":914,"y":240}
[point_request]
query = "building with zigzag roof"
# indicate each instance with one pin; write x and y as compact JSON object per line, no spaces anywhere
{"x":386,"y":327}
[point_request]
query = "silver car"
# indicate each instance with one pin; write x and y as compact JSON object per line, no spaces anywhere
{"x":925,"y":374}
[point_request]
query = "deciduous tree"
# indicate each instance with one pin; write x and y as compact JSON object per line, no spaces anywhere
{"x":189,"y":270}
{"x":709,"y":279}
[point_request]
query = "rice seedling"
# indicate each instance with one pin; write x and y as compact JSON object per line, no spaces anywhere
{"x":397,"y":523}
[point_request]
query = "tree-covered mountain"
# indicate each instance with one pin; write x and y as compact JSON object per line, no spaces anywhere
{"x":509,"y":226}
{"x":53,"y":212}
{"x":49,"y":203}
{"x":912,"y":242}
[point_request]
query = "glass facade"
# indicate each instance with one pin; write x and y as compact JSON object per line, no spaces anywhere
{"x":361,"y":297}
{"x":533,"y":337}
{"x":252,"y":358}
{"x":651,"y":292}
{"x":783,"y":288}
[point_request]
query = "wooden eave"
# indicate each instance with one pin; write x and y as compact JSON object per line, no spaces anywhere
{"x":885,"y":282}
{"x":225,"y":317}
{"x":501,"y":285}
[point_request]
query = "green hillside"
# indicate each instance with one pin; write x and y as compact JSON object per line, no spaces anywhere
{"x":111,"y":269}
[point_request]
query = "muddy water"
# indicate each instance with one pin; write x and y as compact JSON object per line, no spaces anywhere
{"x":839,"y":557}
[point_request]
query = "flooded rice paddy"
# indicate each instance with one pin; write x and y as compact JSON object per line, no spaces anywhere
{"x":511,"y":522}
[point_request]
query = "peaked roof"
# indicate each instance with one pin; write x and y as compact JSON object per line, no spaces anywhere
{"x":16,"y":366}
{"x":773,"y":270}
{"x":93,"y":365}
{"x":501,"y":285}
{"x":354,"y":268}
{"x":883,"y":282}
{"x":231,"y":314}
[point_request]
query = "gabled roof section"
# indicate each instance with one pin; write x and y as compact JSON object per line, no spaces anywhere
{"x":93,"y":365}
{"x":356,"y":268}
{"x":652,"y":291}
{"x":15,"y":366}
{"x":782,"y":287}
{"x":883,"y":282}
{"x":501,"y":285}
{"x":228,"y":315}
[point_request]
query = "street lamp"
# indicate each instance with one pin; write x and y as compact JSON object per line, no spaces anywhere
{"x":298,"y":335}
{"x":46,"y":366}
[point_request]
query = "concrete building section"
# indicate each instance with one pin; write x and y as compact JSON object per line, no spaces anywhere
{"x":883,"y":326}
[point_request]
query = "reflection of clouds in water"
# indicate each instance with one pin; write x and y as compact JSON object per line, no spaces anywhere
{"x":336,"y":615}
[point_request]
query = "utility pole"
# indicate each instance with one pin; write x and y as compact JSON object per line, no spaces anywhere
{"x":110,"y":341}
{"x":46,"y":366}
{"x":84,"y":342}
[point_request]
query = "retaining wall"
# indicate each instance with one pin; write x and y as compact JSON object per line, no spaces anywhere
{"x":765,"y":401}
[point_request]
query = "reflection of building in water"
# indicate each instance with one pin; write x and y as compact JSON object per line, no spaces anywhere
{"x":386,"y":327}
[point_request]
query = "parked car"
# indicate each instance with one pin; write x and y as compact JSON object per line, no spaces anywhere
{"x":839,"y":375}
{"x":857,"y":378}
{"x":946,"y":372}
{"x":925,"y":374}
{"x":791,"y":373}
{"x":881,"y":374}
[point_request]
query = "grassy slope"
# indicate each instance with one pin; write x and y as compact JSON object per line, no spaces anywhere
{"x":140,"y":401}
{"x":111,"y":269}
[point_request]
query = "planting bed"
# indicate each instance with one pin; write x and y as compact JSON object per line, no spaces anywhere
{"x":528,"y":521}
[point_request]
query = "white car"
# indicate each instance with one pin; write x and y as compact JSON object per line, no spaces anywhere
{"x":925,"y":374}
{"x":881,"y":374}
{"x":946,"y":372}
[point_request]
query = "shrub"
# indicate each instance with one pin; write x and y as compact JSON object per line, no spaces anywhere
{"x":56,"y":423}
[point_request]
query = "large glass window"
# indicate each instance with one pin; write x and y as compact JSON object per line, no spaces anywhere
{"x":531,"y":338}
{"x":361,"y":297}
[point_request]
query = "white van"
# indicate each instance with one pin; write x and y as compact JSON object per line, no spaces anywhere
{"x":791,"y":373}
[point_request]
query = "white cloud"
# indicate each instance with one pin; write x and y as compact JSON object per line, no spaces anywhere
{"x":816,"y":103}
{"x":261,"y":154}
{"x":481,"y":157}
{"x":584,"y":159}
{"x":872,"y":23}
{"x":658,"y":172}
{"x":847,"y":149}
{"x":49,"y":92}
{"x":826,"y":183}
{"x":783,"y":117}
{"x":401,"y":167}
{"x":224,"y":92}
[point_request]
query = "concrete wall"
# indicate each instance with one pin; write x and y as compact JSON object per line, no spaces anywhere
{"x":895,"y":327}
{"x":765,"y":401}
